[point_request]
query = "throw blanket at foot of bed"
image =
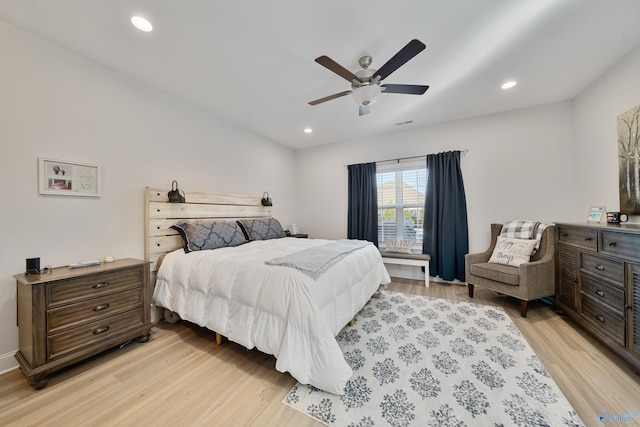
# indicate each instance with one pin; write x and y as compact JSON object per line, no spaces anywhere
{"x":315,"y":261}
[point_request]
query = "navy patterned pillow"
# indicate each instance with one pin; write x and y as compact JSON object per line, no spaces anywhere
{"x":202,"y":235}
{"x":262,"y":228}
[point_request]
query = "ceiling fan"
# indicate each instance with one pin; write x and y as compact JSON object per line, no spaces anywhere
{"x":365,"y":84}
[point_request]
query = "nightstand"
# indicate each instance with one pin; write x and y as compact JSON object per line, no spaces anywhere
{"x":71,"y":314}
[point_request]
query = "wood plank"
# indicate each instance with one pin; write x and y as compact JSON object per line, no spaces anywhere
{"x":181,"y":211}
{"x":164,"y":244}
{"x":160,"y":195}
{"x":161,"y":226}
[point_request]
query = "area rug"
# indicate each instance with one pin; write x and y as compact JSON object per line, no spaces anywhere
{"x":421,"y":361}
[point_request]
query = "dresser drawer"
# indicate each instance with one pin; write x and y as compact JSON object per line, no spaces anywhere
{"x":604,"y":320}
{"x":602,"y":267}
{"x":93,"y":309}
{"x":612,"y":296}
{"x":620,"y":244}
{"x":92,"y":286}
{"x":92,"y":333}
{"x":583,"y":237}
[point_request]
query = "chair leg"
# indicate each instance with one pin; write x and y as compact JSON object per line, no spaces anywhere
{"x":470,"y":289}
{"x":524,"y":305}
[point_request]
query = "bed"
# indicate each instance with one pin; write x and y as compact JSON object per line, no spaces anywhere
{"x":251,"y":292}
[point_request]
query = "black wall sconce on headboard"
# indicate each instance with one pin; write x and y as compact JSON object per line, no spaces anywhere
{"x":266,"y":200}
{"x":175,"y":195}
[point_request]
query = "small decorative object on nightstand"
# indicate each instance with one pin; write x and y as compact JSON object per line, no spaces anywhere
{"x":70,"y":314}
{"x":299,"y":235}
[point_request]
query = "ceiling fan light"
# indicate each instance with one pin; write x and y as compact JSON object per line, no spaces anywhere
{"x":366,"y":95}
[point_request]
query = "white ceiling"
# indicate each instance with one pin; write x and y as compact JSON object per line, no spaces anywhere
{"x":252,"y":62}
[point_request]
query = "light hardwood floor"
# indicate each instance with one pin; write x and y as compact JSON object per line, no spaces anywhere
{"x":180,"y":377}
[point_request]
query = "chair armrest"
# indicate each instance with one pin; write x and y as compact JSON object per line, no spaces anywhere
{"x":484,"y":256}
{"x":477,"y":258}
{"x":539,"y":276}
{"x":547,"y":259}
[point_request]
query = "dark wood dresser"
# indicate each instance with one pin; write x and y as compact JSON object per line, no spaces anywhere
{"x":67,"y":315}
{"x":598,"y":282}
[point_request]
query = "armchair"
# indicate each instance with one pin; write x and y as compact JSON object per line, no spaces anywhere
{"x":527,"y":282}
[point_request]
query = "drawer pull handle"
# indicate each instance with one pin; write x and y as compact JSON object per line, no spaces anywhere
{"x":600,"y":318}
{"x":105,"y":306}
{"x":100,"y":330}
{"x":588,"y":239}
{"x":600,"y":267}
{"x":612,"y":244}
{"x":564,"y":235}
{"x":627,"y":307}
{"x":599,"y":293}
{"x":100,"y":285}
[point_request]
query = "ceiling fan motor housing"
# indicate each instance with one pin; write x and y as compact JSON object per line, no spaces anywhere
{"x":366,"y":90}
{"x":365,"y":84}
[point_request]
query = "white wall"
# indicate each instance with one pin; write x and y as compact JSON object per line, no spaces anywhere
{"x":596,"y":146}
{"x":56,"y":104}
{"x":518,"y":167}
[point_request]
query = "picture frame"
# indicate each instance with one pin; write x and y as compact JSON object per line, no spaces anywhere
{"x":597,"y":214}
{"x":64,"y":178}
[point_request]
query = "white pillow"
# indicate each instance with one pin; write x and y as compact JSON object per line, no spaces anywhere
{"x":510,"y":251}
{"x":398,"y":245}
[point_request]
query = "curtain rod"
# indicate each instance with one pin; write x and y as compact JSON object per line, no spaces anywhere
{"x":462,"y":154}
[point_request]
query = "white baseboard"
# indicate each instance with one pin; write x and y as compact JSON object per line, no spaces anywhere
{"x":8,"y":362}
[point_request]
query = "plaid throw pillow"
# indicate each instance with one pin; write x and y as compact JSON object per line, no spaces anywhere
{"x":524,"y":230}
{"x":520,"y":229}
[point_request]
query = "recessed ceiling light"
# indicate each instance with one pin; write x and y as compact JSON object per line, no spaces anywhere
{"x":141,"y":24}
{"x":308,"y":130}
{"x":509,"y":85}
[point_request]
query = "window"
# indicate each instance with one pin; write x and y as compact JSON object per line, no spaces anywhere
{"x":401,"y":187}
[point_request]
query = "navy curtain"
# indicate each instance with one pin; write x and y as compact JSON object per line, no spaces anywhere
{"x":362,"y":214}
{"x":446,"y":234}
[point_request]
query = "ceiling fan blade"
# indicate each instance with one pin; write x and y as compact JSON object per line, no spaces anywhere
{"x":412,"y":48}
{"x":330,"y":97}
{"x":332,"y":65}
{"x":363,"y":109}
{"x":406,"y":89}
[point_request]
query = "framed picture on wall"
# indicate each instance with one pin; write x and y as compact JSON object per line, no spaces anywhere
{"x":597,"y":214}
{"x":62,"y":178}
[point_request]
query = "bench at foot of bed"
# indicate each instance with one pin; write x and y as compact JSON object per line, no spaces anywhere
{"x":420,"y":260}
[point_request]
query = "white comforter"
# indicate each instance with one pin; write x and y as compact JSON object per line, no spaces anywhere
{"x":277,"y":309}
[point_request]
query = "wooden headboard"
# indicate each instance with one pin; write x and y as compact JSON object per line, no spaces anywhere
{"x":160,"y":215}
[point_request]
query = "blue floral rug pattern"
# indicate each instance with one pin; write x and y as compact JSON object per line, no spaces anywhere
{"x":422,"y":361}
